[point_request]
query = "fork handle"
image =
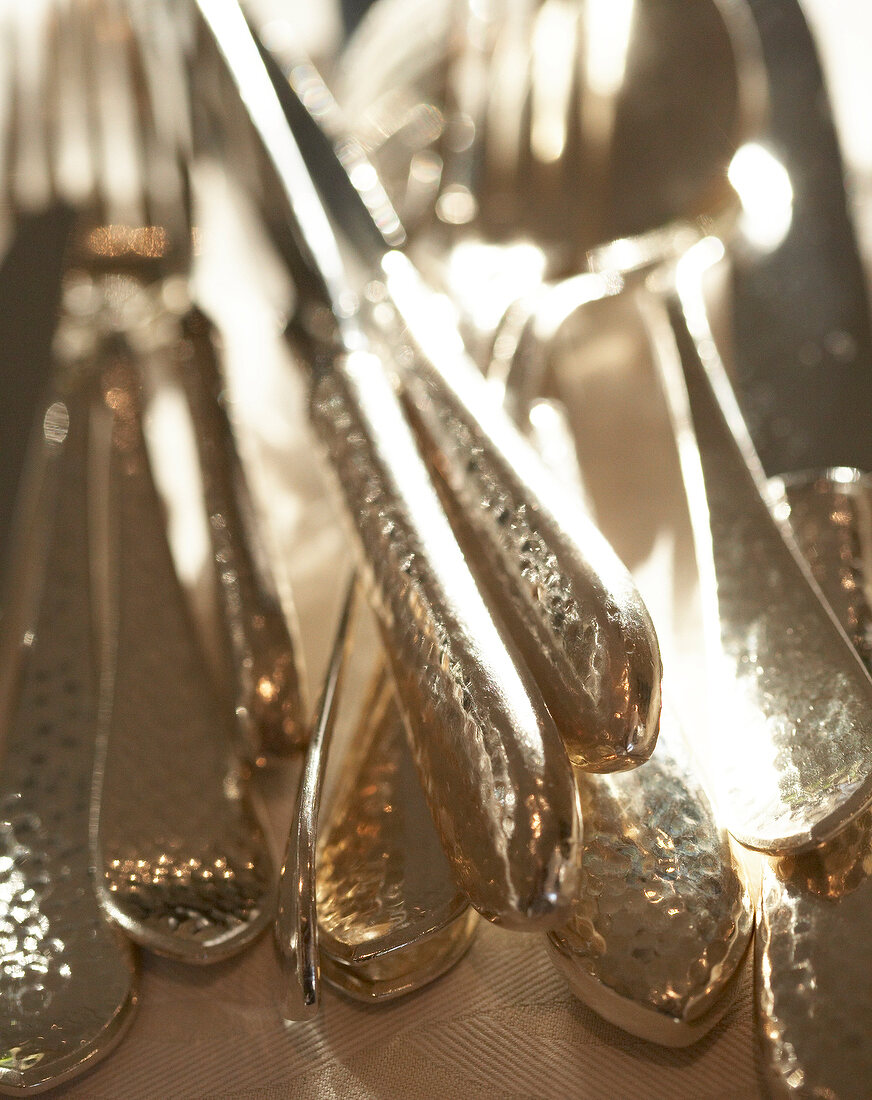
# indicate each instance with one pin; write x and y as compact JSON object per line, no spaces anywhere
{"x":496,"y":775}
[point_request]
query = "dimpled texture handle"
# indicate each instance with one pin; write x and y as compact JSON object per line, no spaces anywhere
{"x":496,"y":775}
{"x":569,"y":603}
{"x":67,"y":981}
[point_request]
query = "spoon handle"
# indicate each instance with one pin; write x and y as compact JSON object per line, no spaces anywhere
{"x":498,"y":782}
{"x":497,"y":779}
{"x":570,"y":605}
{"x":793,"y":762}
{"x":815,"y":907}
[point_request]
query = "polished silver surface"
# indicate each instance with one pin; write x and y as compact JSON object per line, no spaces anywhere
{"x":185,"y":867}
{"x":568,"y":602}
{"x":803,"y":786}
{"x":296,"y":927}
{"x":791,"y":759}
{"x":67,"y":978}
{"x":813,"y":959}
{"x":830,"y":513}
{"x":663,"y":917}
{"x":497,"y":778}
{"x":368,"y":898}
{"x":570,"y":606}
{"x":267,"y":681}
{"x":592,"y":128}
{"x":390,"y":915}
{"x":496,"y":774}
{"x":813,"y":955}
{"x":115,"y":106}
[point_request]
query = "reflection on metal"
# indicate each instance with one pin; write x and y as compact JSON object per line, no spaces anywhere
{"x":813,"y":951}
{"x":552,"y":77}
{"x":766,"y":192}
{"x":114,"y":241}
{"x":496,"y":774}
{"x":296,"y":925}
{"x":390,"y":916}
{"x":608,"y":24}
{"x":569,"y":604}
{"x":185,"y":865}
{"x":663,"y":918}
{"x":67,"y":980}
{"x":791,"y":762}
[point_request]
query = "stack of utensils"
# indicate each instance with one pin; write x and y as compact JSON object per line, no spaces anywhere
{"x":508,"y":252}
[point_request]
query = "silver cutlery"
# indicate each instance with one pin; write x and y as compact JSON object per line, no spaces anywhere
{"x":496,"y":774}
{"x":392,"y":918}
{"x":67,"y":977}
{"x":296,"y":927}
{"x":809,"y":759}
{"x":814,"y":1010}
{"x":367,"y":898}
{"x":200,"y":883}
{"x":567,"y":601}
{"x":268,"y":696}
{"x":186,"y":868}
{"x":664,"y":917}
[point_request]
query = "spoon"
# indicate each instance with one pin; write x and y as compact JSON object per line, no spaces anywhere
{"x":386,"y":916}
{"x":200,"y":883}
{"x":268,"y":698}
{"x":664,"y":917}
{"x":391,"y":917}
{"x":815,"y":903}
{"x":195,"y":881}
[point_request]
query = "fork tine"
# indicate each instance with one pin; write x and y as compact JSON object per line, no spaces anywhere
{"x":120,"y":156}
{"x":73,"y":137}
{"x":31,"y":178}
{"x":6,"y":111}
{"x":159,"y":66}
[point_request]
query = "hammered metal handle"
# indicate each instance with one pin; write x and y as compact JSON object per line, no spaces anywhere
{"x":267,"y":680}
{"x":390,"y":915}
{"x":570,"y":605}
{"x":496,"y":775}
{"x":814,"y":908}
{"x":790,"y":754}
{"x":67,"y":977}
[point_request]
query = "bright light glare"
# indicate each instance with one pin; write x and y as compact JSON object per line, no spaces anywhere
{"x":553,"y":70}
{"x":764,"y":188}
{"x":487,"y":278}
{"x":175,"y":464}
{"x":608,"y":24}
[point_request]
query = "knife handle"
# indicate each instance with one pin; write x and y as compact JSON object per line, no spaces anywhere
{"x":267,"y":679}
{"x":571,"y":607}
{"x":495,"y":772}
